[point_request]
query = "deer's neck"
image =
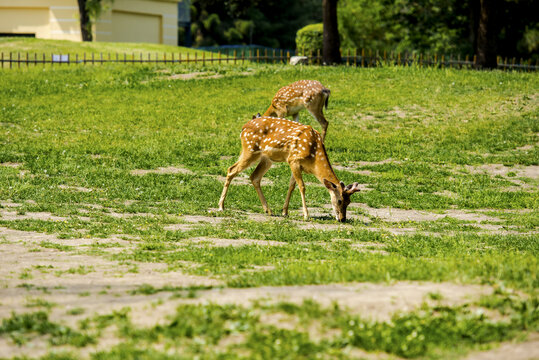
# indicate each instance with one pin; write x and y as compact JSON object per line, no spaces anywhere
{"x":322,"y":167}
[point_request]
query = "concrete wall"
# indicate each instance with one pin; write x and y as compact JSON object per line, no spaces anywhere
{"x":153,"y":21}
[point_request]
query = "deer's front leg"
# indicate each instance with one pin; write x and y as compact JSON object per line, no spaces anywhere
{"x":289,"y":195}
{"x":296,"y":173}
{"x":256,"y":177}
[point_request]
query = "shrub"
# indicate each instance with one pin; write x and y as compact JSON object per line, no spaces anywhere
{"x":309,"y":39}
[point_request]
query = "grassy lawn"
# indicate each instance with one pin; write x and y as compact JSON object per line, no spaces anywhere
{"x":448,"y":158}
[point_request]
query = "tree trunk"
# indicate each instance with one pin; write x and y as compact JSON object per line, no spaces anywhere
{"x":486,"y":36}
{"x":85,"y":24}
{"x":331,"y":42}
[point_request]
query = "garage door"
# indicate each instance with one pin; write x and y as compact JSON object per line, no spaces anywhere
{"x":132,"y":27}
{"x":24,"y":21}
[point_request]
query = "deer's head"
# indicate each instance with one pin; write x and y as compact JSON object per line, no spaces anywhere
{"x":340,"y":197}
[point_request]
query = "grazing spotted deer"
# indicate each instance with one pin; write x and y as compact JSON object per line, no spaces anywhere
{"x":267,"y":140}
{"x":302,"y":94}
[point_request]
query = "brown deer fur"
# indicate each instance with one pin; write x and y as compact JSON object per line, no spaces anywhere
{"x":267,"y":139}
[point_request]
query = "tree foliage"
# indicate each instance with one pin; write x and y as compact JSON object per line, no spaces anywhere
{"x":271,"y":23}
{"x":437,"y":26}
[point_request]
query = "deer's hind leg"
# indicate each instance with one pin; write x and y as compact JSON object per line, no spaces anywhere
{"x":291,"y":187}
{"x":298,"y":179}
{"x":246,"y":159}
{"x":319,"y":116}
{"x":256,"y":177}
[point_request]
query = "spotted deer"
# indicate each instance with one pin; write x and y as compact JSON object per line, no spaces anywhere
{"x":302,"y":94}
{"x":266,"y":140}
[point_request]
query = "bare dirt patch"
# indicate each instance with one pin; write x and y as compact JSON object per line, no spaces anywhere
{"x":193,"y":75}
{"x":72,"y":279}
{"x":375,"y":248}
{"x":352,"y":170}
{"x":75,"y":188}
{"x":517,"y":171}
{"x":527,"y":350}
{"x":11,"y":164}
{"x":402,"y":215}
{"x":162,"y":170}
{"x":203,"y":75}
{"x":241,"y":179}
{"x":372,"y":301}
{"x":216,"y":242}
{"x":191,"y":220}
{"x":13,"y":215}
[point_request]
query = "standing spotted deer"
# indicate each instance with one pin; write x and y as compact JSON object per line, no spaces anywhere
{"x":302,"y":94}
{"x":267,"y":140}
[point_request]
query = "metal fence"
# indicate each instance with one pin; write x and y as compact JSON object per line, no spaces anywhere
{"x":357,"y":58}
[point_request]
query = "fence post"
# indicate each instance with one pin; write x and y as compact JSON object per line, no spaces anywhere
{"x":203,"y":58}
{"x":355,"y":57}
{"x":288,"y":57}
{"x":257,"y":56}
{"x":2,"y":59}
{"x":196,"y":55}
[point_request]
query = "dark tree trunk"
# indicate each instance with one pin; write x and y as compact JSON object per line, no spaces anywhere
{"x":331,"y":42}
{"x":486,"y":35}
{"x":85,"y":24}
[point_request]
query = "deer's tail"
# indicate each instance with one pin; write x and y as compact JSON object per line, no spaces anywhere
{"x":326,"y":92}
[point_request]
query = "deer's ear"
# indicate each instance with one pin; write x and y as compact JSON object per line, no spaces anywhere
{"x":329,"y":185}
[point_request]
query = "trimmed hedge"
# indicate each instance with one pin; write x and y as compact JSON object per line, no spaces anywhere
{"x":309,"y":39}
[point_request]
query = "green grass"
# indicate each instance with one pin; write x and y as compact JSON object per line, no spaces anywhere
{"x":90,"y":126}
{"x":431,"y":332}
{"x":31,"y":47}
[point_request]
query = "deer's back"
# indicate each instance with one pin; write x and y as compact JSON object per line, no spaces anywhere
{"x":280,"y":139}
{"x":297,"y":94}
